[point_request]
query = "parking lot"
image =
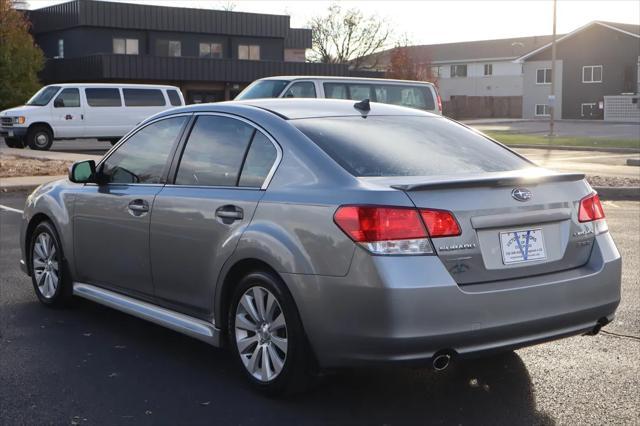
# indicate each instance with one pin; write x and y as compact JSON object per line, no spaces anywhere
{"x":93,"y":365}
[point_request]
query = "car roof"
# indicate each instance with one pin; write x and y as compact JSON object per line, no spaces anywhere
{"x":354,"y":79}
{"x":111,"y":85}
{"x":293,"y":109}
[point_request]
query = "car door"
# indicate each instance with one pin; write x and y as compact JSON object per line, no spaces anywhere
{"x":111,"y":219}
{"x":68,"y":114}
{"x":198,"y":219}
{"x":105,"y":116}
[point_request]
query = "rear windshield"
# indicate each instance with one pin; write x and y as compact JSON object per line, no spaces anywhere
{"x":43,"y":96}
{"x":406,"y":146}
{"x":263,"y":89}
{"x":419,"y":97}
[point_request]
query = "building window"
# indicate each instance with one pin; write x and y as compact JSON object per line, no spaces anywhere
{"x":168,"y":48}
{"x":250,"y":52}
{"x":592,"y":74}
{"x":211,"y":50}
{"x":543,"y":76}
{"x":125,"y":46}
{"x":458,"y":70}
{"x":435,"y":71}
{"x":542,"y":110}
{"x":488,"y":69}
{"x":60,"y":48}
{"x":588,"y":110}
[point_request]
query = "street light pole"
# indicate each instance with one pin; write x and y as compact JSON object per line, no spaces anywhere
{"x":552,"y":96}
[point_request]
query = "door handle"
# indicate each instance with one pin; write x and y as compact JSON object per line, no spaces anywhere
{"x":229,"y":213}
{"x":138,"y":207}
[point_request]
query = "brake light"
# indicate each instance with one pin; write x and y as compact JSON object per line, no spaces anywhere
{"x":440,"y":223}
{"x":439,"y":102}
{"x":590,"y":209}
{"x":384,"y":230}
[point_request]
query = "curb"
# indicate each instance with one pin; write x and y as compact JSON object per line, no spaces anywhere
{"x":577,"y":148}
{"x":618,"y":193}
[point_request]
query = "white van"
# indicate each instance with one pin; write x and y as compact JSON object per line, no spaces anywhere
{"x":413,"y":94}
{"x":83,"y":110}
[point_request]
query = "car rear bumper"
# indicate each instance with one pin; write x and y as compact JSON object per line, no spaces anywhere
{"x":406,"y":309}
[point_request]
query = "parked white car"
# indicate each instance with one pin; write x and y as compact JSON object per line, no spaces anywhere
{"x":413,"y":94}
{"x":84,"y":110}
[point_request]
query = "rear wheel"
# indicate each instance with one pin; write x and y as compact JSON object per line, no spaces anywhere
{"x":50,"y":280}
{"x":266,"y":335}
{"x":39,"y":138}
{"x":14,"y":142}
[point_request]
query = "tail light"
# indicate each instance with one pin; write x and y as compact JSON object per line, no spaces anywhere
{"x":440,"y":223}
{"x":590,"y":209}
{"x":395,"y":230}
{"x":439,"y":102}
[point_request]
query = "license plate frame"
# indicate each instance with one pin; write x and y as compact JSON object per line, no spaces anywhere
{"x":529,"y":249}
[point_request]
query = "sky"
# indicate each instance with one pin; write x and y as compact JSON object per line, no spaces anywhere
{"x":431,"y":21}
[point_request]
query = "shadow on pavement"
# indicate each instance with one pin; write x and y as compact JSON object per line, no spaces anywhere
{"x":91,"y":362}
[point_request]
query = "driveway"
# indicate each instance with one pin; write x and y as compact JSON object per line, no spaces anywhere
{"x":93,"y":365}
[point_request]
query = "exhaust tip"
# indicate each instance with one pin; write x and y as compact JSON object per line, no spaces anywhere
{"x":441,"y":362}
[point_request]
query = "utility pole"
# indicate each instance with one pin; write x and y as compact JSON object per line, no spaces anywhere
{"x":552,"y":96}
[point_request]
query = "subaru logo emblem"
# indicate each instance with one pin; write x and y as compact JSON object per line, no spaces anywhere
{"x":521,"y":194}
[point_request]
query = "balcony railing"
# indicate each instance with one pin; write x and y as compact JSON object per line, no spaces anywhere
{"x":157,"y":68}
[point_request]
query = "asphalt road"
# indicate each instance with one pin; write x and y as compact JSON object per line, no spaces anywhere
{"x":93,"y":365}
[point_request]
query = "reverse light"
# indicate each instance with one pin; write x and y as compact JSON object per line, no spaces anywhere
{"x":440,"y":223}
{"x":590,"y":209}
{"x":384,"y":230}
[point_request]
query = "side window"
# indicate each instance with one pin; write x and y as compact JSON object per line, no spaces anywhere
{"x":143,"y":97}
{"x":214,"y":152}
{"x":260,"y":158}
{"x":335,"y":91}
{"x":103,"y":97}
{"x":359,"y":92}
{"x":68,"y":98}
{"x":303,"y":89}
{"x":144,"y":156}
{"x":174,"y":98}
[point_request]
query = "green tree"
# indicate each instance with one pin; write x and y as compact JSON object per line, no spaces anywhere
{"x":347,"y":36}
{"x":20,"y":58}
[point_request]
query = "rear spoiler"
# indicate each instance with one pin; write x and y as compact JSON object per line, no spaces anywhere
{"x":491,"y":181}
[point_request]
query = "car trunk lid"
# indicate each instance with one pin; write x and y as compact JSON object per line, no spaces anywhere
{"x":504,"y":237}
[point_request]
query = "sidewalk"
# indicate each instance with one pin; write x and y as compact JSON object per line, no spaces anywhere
{"x":47,"y":155}
{"x":25,"y":182}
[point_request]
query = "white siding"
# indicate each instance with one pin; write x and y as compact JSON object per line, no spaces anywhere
{"x":506,"y":80}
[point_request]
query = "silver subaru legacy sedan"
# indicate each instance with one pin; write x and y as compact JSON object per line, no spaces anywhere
{"x":313,"y":234}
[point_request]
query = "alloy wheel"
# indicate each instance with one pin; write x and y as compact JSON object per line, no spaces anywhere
{"x":45,"y":265}
{"x":261,"y":334}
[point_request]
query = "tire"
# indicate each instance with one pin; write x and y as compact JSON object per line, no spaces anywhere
{"x":288,"y":360}
{"x":14,"y":143}
{"x":39,"y":138}
{"x":49,"y":275}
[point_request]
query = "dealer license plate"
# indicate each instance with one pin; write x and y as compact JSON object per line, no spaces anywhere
{"x":525,"y":245}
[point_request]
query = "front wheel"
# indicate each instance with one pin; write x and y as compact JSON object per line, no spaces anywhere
{"x":40,"y":138}
{"x":50,"y":280}
{"x":266,"y":335}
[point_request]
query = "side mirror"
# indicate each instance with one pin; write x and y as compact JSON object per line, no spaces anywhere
{"x":83,"y":172}
{"x":58,"y":103}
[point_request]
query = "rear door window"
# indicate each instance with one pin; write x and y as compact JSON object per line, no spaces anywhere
{"x":103,"y":97}
{"x":259,"y":161}
{"x":407,"y":146}
{"x":303,"y":89}
{"x":174,"y":98}
{"x":214,"y":152}
{"x":143,"y":97}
